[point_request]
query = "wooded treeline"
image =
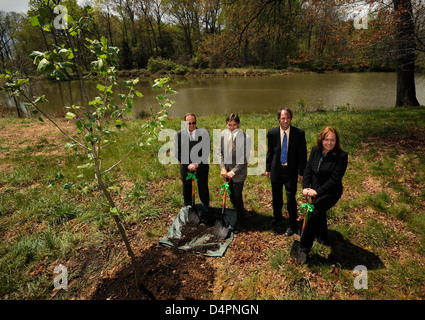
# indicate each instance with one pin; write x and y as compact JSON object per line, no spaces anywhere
{"x":315,"y":35}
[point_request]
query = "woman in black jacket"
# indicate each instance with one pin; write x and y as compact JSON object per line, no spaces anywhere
{"x":322,"y":180}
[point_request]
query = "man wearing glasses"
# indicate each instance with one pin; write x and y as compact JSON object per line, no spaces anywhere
{"x":192,"y":150}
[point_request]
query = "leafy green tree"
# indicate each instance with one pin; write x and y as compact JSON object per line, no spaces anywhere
{"x":101,"y":119}
{"x":186,"y":15}
{"x":12,"y":55}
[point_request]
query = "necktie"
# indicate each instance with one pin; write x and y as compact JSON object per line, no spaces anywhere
{"x":284,"y":154}
{"x":230,"y":145}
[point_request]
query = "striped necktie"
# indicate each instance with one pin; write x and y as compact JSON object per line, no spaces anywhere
{"x":230,"y":144}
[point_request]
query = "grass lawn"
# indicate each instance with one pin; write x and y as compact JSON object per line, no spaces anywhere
{"x":379,"y":222}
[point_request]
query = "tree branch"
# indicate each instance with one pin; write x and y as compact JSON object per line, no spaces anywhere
{"x":54,"y":123}
{"x":123,"y":158}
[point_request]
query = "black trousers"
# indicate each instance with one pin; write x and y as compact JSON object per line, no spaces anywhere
{"x":317,"y":225}
{"x":290,"y":184}
{"x":203,"y":190}
{"x":236,"y":197}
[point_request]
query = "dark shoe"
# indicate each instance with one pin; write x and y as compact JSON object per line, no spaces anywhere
{"x":275,"y":221}
{"x":289,"y":232}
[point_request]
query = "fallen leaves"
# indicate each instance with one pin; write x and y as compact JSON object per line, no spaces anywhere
{"x":334,"y":270}
{"x":250,"y":249}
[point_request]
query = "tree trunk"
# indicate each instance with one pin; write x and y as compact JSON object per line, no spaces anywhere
{"x":405,"y":59}
{"x":120,"y":227}
{"x":17,"y":107}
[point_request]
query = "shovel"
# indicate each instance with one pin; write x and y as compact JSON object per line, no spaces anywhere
{"x":193,"y":215}
{"x":221,"y":228}
{"x":296,"y":246}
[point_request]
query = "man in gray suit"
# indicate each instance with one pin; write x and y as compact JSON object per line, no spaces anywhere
{"x":233,"y":152}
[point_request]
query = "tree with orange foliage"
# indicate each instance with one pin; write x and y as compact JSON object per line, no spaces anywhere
{"x":331,"y":42}
{"x":399,"y":18}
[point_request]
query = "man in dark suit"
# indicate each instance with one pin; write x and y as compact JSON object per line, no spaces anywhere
{"x":284,"y":167}
{"x":192,"y":150}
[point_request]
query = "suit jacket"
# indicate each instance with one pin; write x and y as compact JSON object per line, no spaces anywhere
{"x":197,"y":151}
{"x":297,"y":153}
{"x":237,"y":161}
{"x":326,"y":180}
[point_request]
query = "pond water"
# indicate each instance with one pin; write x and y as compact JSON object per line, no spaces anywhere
{"x":248,"y":94}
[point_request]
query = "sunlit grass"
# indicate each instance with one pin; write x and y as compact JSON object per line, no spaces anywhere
{"x":41,"y":225}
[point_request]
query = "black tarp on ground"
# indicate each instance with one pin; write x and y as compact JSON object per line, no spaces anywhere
{"x":205,"y":242}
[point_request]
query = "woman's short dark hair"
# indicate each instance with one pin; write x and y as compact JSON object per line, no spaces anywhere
{"x":322,"y":135}
{"x":233,"y":117}
{"x":279,"y":113}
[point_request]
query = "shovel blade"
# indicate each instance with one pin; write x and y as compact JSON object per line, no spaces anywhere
{"x":297,"y":253}
{"x":221,"y":229}
{"x":194,"y":216}
{"x":295,"y":249}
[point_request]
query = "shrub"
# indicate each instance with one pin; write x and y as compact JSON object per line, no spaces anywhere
{"x":198,"y":63}
{"x":159,"y":64}
{"x":180,"y":70}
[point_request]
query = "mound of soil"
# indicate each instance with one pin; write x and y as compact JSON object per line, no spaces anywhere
{"x":168,"y":273}
{"x":190,"y":232}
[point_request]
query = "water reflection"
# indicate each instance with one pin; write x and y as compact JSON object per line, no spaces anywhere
{"x":245,"y":95}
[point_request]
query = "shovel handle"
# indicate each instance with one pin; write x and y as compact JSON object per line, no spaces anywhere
{"x":312,"y":202}
{"x":193,"y":184}
{"x":225,"y":191}
{"x":193,"y":187}
{"x":305,"y":219}
{"x":304,"y":223}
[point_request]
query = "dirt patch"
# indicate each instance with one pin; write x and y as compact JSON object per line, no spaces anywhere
{"x":372,"y":185}
{"x":45,"y":136}
{"x":410,"y":143}
{"x":403,"y":150}
{"x":168,"y":273}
